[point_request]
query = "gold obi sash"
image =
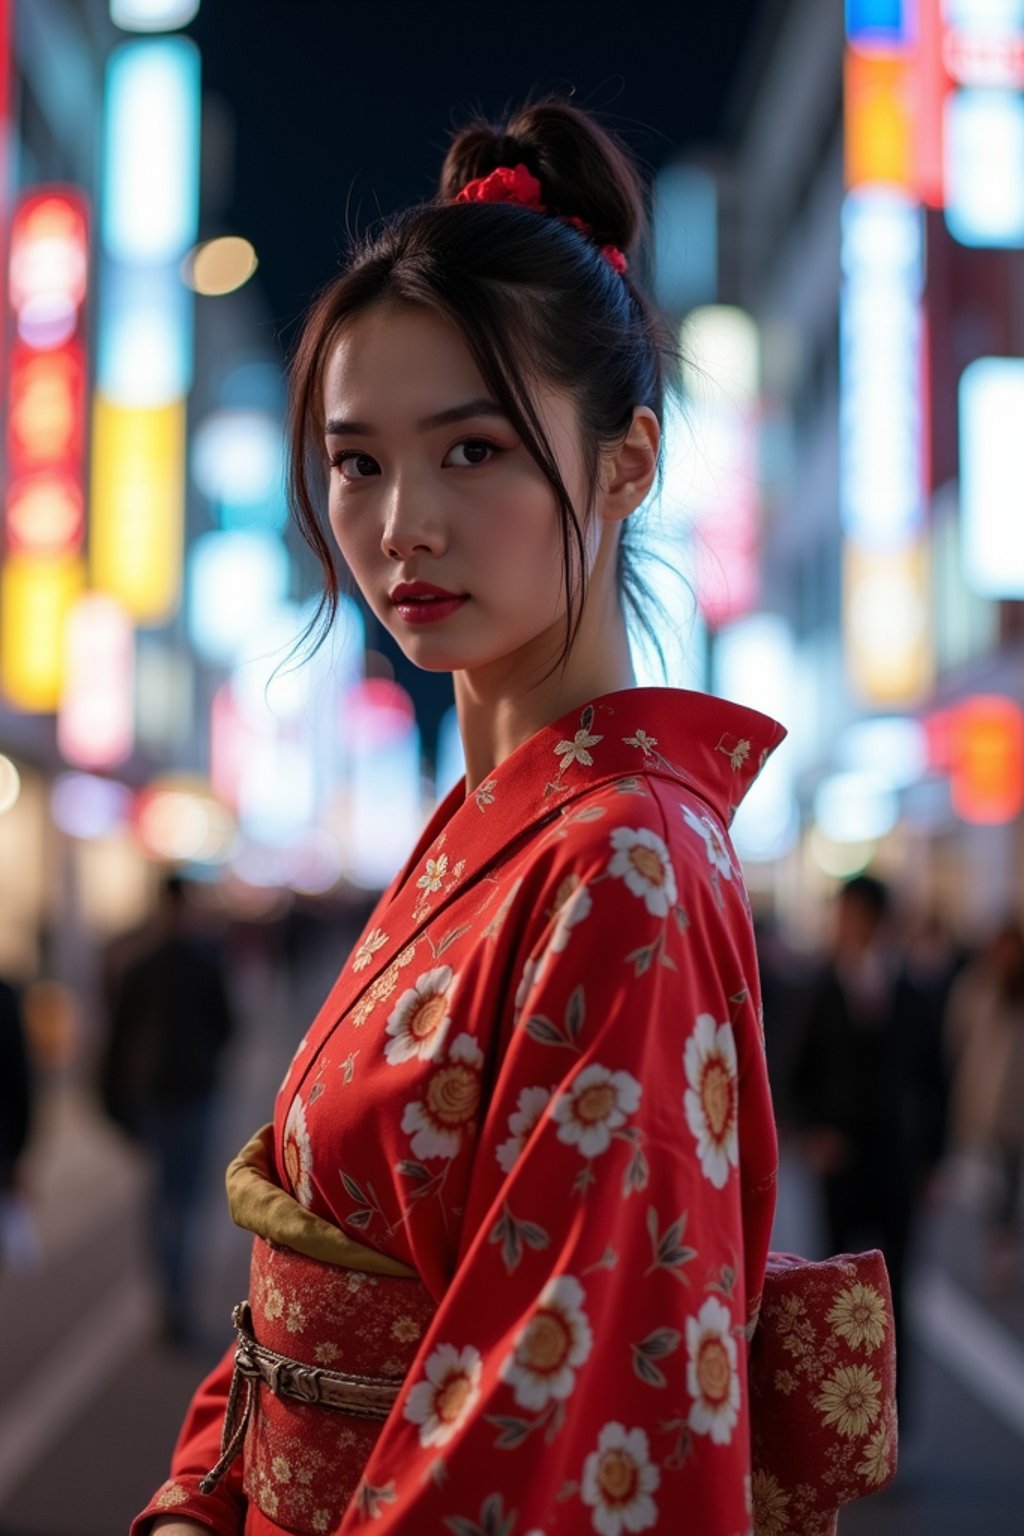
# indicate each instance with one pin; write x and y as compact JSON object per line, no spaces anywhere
{"x":822,"y":1368}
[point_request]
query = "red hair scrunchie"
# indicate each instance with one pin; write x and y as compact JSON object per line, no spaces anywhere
{"x":517,"y":184}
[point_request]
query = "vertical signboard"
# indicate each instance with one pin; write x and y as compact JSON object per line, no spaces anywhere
{"x":44,"y":527}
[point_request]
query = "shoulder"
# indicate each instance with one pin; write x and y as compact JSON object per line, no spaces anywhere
{"x":644,"y":846}
{"x":639,"y":810}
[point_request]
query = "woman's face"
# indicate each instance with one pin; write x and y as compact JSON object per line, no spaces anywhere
{"x":446,"y":522}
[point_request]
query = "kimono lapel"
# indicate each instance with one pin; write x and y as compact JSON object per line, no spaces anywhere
{"x":710,"y":747}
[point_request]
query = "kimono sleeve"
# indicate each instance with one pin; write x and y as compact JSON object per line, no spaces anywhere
{"x":586,"y":1369}
{"x":196,"y":1452}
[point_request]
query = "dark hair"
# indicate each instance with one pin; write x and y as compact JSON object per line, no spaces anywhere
{"x":532,"y":297}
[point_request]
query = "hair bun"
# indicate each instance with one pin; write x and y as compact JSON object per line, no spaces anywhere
{"x":583,"y":170}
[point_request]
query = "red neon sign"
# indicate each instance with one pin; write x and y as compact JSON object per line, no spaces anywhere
{"x":987,"y":760}
{"x":47,"y":398}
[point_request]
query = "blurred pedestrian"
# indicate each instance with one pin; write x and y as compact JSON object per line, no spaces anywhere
{"x":985,"y":1039}
{"x":868,"y":1087}
{"x":17,"y":1242}
{"x":170,"y":1019}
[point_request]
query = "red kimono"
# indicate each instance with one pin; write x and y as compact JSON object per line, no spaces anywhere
{"x":539,"y":1081}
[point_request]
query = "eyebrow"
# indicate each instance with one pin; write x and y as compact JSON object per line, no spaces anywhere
{"x":335,"y":427}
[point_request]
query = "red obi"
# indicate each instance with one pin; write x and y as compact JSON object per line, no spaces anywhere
{"x":303,"y":1461}
{"x":822,"y":1386}
{"x":822,"y":1391}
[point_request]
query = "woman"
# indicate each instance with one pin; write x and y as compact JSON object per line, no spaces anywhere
{"x":530,"y":1129}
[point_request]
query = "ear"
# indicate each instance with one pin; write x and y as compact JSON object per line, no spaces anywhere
{"x":628,"y":470}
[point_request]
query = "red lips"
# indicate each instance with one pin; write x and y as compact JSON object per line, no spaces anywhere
{"x":411,"y":591}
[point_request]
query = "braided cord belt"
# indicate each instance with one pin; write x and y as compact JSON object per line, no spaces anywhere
{"x":364,"y":1397}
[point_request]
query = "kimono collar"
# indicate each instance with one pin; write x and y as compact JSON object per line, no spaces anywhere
{"x":717,"y":748}
{"x":711,"y":747}
{"x":702,"y":744}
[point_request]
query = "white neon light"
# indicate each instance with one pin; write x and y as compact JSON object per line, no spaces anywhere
{"x":237,"y":457}
{"x":236,"y":582}
{"x":984,"y":144}
{"x":991,"y":474}
{"x":756,"y":665}
{"x":151,"y":151}
{"x":989,"y":18}
{"x":893,"y":747}
{"x":855,"y":807}
{"x":152,"y":15}
{"x":145,"y":338}
{"x":881,"y":336}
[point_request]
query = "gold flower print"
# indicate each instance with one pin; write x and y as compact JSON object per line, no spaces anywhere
{"x":368,"y":948}
{"x":577,"y":750}
{"x":643,"y":741}
{"x":876,"y":1464}
{"x":858,"y":1316}
{"x":849,"y":1400}
{"x":484,"y":796}
{"x":771,"y":1505}
{"x":433,"y":876}
{"x":383,"y":987}
{"x":170,"y":1496}
{"x":736,"y":751}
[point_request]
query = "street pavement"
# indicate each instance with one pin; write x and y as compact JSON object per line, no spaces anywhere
{"x":90,"y":1399}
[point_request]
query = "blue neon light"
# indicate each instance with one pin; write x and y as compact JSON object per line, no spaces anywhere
{"x":878,"y":22}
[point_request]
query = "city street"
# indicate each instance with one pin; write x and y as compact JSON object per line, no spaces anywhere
{"x":90,"y":1400}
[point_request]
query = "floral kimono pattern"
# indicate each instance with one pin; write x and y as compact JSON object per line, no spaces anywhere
{"x":539,"y":1081}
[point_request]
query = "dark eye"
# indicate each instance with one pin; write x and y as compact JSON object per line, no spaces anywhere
{"x":355,"y":466}
{"x":474,"y":450}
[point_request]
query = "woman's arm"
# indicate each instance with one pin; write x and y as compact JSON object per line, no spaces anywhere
{"x":177,"y":1506}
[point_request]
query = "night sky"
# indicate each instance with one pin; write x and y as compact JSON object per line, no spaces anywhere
{"x":343,"y":108}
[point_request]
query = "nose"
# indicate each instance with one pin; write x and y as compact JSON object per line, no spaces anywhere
{"x":412,"y":523}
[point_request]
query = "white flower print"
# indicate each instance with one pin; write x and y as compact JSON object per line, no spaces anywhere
{"x":530,"y":1105}
{"x":449,"y":1103}
{"x":572,"y":904}
{"x":556,"y":1340}
{"x":714,"y":841}
{"x":643,"y":741}
{"x":298,"y":1154}
{"x":712,"y":1378}
{"x":433,"y":874}
{"x":575,"y":751}
{"x":618,"y":1480}
{"x":420,"y":1020}
{"x":441,"y":1404}
{"x":642,"y":859}
{"x":597,"y":1102}
{"x":710,"y":1099}
{"x":531,"y":973}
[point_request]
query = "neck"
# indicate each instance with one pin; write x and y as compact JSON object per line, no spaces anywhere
{"x":501,"y":706}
